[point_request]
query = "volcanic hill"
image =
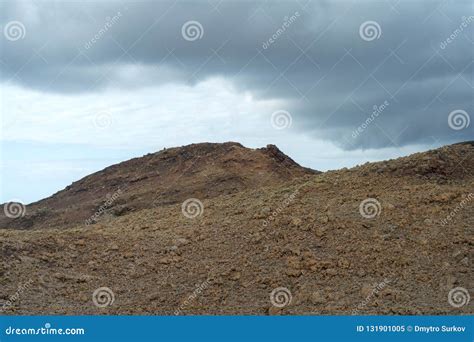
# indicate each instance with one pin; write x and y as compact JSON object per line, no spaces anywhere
{"x":167,"y":177}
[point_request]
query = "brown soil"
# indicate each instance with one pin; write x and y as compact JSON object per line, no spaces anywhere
{"x":265,"y":223}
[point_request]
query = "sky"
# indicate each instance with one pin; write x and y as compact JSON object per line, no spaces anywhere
{"x":86,"y":84}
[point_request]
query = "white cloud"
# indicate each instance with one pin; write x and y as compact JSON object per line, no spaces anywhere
{"x":155,"y":116}
{"x":50,"y":136}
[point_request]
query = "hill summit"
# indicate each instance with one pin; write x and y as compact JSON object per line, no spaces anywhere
{"x":204,"y":170}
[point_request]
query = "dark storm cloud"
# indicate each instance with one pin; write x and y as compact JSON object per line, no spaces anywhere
{"x":310,"y":53}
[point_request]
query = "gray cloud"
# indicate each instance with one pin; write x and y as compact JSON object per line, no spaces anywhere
{"x":331,"y":77}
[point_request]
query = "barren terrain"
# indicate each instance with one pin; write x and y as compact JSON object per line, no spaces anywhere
{"x":223,"y":229}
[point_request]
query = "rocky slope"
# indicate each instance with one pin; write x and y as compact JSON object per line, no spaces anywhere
{"x":393,"y":237}
{"x":170,"y":176}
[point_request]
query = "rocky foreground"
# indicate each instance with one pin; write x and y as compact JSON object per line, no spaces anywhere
{"x":253,"y":233}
